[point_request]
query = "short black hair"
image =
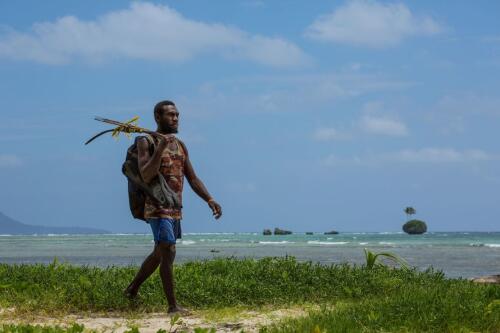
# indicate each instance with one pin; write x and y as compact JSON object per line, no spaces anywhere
{"x":159,"y":106}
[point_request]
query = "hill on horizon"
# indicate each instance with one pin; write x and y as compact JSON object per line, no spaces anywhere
{"x":9,"y":226}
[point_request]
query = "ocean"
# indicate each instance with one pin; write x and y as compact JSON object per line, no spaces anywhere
{"x":457,"y":254}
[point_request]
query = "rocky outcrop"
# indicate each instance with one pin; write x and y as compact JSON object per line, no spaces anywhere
{"x":267,"y":232}
{"x":415,"y":227}
{"x":309,"y":233}
{"x":493,"y":279}
{"x":332,"y":232}
{"x":278,"y":231}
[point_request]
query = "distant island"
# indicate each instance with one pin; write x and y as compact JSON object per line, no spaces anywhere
{"x":415,"y":227}
{"x":9,"y":226}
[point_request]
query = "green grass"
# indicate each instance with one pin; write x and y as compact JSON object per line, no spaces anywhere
{"x":379,"y":298}
{"x":27,"y":328}
{"x":203,"y":284}
{"x":432,"y":304}
{"x":76,"y":328}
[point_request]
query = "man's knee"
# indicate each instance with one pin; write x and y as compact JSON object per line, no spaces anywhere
{"x":157,"y":251}
{"x":166,"y":249}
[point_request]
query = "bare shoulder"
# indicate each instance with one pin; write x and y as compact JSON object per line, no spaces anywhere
{"x":143,"y":147}
{"x":142,"y":142}
{"x":183,"y":145}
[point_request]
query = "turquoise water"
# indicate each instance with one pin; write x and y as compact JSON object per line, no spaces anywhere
{"x":464,"y":254}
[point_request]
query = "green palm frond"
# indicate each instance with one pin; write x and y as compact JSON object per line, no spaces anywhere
{"x":371,"y":258}
{"x":126,"y":128}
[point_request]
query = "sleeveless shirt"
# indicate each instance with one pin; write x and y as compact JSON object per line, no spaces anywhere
{"x":172,"y":168}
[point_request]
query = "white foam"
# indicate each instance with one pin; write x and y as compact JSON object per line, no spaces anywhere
{"x":188,"y":242}
{"x":492,"y":245}
{"x":281,"y":242}
{"x":326,"y":243}
{"x":386,"y":243}
{"x":210,"y":233}
{"x":363,"y":243}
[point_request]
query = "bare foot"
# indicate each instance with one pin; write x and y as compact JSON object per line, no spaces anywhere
{"x":178,"y":309}
{"x":130,"y":294}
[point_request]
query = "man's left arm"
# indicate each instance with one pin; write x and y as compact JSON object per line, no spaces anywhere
{"x":198,"y":186}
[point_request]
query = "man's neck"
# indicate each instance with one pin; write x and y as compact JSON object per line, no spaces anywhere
{"x":166,"y":132}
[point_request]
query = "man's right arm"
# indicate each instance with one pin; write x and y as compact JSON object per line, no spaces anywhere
{"x":148,"y":165}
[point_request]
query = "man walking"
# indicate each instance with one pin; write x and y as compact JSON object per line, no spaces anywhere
{"x":171,"y":159}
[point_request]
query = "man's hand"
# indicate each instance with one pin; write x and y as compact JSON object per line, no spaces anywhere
{"x":216,"y":208}
{"x":164,"y":139}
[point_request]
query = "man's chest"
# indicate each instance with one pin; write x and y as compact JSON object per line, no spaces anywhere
{"x":172,"y":160}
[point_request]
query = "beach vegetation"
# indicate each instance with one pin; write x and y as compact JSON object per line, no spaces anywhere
{"x":373,"y":259}
{"x":352,"y":298}
{"x":28,"y":328}
{"x":409,"y":211}
{"x":434,"y":305}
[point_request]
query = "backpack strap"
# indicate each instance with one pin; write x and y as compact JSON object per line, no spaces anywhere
{"x":151,"y":141}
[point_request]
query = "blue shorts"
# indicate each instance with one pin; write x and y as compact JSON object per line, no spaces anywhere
{"x":165,"y":229}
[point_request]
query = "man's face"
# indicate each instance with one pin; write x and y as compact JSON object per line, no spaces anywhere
{"x":168,"y":120}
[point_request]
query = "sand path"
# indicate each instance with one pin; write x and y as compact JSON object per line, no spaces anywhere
{"x":247,"y":320}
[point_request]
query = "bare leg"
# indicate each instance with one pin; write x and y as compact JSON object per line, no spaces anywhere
{"x":167,"y":272}
{"x":147,"y":268}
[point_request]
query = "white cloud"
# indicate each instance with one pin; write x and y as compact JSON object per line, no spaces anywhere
{"x":329,"y":134}
{"x":440,"y":155}
{"x":424,"y":155}
{"x":372,"y":24}
{"x":288,"y":93}
{"x":7,"y":161}
{"x":143,"y":31}
{"x":383,"y":126}
{"x":371,"y":123}
{"x":459,"y":112}
{"x":469,"y":103}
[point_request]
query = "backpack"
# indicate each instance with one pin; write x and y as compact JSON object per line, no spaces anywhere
{"x":158,"y":190}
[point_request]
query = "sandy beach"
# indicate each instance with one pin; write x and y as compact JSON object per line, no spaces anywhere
{"x":227,"y":320}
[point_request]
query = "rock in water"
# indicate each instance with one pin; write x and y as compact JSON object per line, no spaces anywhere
{"x":415,"y":227}
{"x":278,"y":231}
{"x":495,"y":279}
{"x":309,"y":233}
{"x":333,"y":232}
{"x":267,"y":232}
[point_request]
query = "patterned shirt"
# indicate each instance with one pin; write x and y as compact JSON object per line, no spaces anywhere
{"x":172,"y":168}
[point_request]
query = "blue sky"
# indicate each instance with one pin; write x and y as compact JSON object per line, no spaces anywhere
{"x":311,"y":117}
